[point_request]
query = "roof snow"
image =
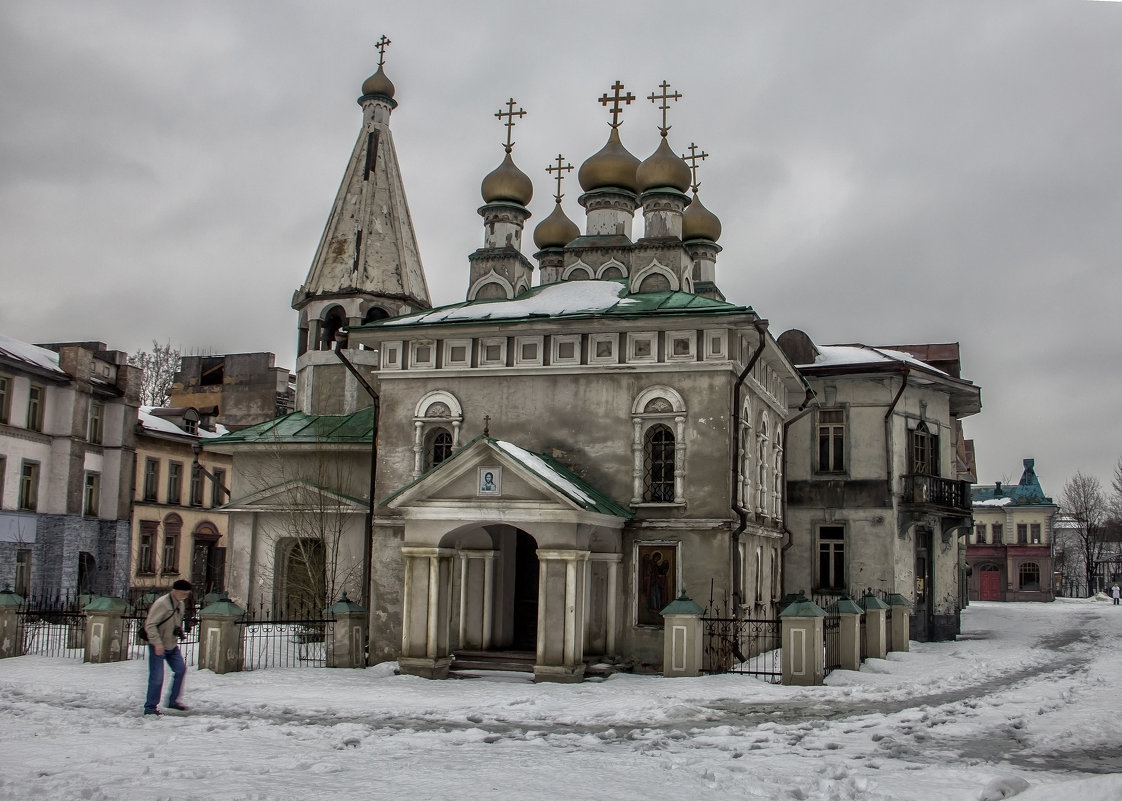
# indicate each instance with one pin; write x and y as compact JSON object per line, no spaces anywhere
{"x":567,"y":297}
{"x":31,"y":354}
{"x":835,"y":355}
{"x":544,"y":469}
{"x":164,"y":426}
{"x":994,"y":502}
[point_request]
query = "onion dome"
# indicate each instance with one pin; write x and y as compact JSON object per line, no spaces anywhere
{"x":663,"y":168}
{"x":507,"y":183}
{"x":700,"y":223}
{"x":378,"y":84}
{"x":556,"y":230}
{"x":612,"y":166}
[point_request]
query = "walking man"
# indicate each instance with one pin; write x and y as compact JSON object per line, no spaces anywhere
{"x":1115,"y":593}
{"x":163,"y":626}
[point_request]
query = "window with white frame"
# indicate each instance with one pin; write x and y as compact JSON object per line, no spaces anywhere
{"x":437,"y":419}
{"x":391,"y":356}
{"x":924,"y":451}
{"x":91,"y":495}
{"x":1029,"y":575}
{"x":716,"y":344}
{"x":29,"y":486}
{"x":492,"y":352}
{"x":457,"y":353}
{"x":763,"y":460}
{"x":831,"y":440}
{"x":1034,"y":533}
{"x":831,"y":558}
{"x":746,"y":447}
{"x":602,"y":348}
{"x":35,"y":397}
{"x":96,"y":422}
{"x":422,"y":354}
{"x":641,"y":347}
{"x":658,"y":417}
{"x":528,"y":351}
{"x":680,"y":346}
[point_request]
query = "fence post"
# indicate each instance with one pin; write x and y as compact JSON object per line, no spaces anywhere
{"x":681,"y":638}
{"x":876,"y":637}
{"x":804,"y":643}
{"x":849,"y":633}
{"x":105,"y":638}
{"x":347,"y":644}
{"x":220,"y":637}
{"x":11,"y":643}
{"x":898,"y":631}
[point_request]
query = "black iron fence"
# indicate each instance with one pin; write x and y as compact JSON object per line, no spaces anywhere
{"x":738,"y":645}
{"x":52,"y":626}
{"x":286,"y":638}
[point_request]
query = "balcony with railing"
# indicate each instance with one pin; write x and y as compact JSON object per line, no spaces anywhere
{"x":940,"y":493}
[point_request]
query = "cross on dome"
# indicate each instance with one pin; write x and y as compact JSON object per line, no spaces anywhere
{"x":664,"y":97}
{"x":510,"y":114}
{"x":381,"y":46}
{"x":560,"y":169}
{"x":693,"y":158}
{"x":615,"y":101}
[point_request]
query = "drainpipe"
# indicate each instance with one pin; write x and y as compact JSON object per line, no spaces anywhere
{"x":734,"y":430}
{"x":904,"y":372}
{"x":368,"y":545}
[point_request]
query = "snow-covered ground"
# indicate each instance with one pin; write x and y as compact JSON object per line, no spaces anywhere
{"x":1026,"y":703}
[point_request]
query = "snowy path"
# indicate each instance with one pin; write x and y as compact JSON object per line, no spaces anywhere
{"x":1025,"y":699}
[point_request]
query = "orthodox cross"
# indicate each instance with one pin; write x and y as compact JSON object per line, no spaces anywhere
{"x":615,"y":101}
{"x":664,"y":97}
{"x":693,"y":158}
{"x":560,"y":169}
{"x":510,"y":114}
{"x":381,"y":45}
{"x":486,"y":425}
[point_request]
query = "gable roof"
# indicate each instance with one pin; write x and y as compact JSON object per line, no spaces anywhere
{"x":544,"y":468}
{"x":569,"y":300}
{"x":1027,"y":492}
{"x":296,"y":494}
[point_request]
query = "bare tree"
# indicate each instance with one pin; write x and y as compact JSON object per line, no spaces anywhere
{"x":159,"y":366}
{"x":1083,"y":501}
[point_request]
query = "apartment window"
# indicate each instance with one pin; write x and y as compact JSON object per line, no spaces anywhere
{"x":175,"y":483}
{"x":97,"y":417}
{"x":1034,"y":533}
{"x":218,"y":487}
{"x":1029,"y":575}
{"x":831,"y":558}
{"x":151,"y":478}
{"x":980,"y":533}
{"x":439,"y":447}
{"x":658,"y":464}
{"x":23,"y":572}
{"x":997,"y":530}
{"x":146,"y":552}
{"x":1022,"y":533}
{"x":169,"y":560}
{"x":35,"y":408}
{"x":831,"y":440}
{"x":29,"y":486}
{"x":92,"y":494}
{"x":196,"y":486}
{"x":5,"y":397}
{"x":925,"y":451}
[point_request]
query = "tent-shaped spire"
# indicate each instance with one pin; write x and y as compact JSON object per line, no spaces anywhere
{"x":369,"y":248}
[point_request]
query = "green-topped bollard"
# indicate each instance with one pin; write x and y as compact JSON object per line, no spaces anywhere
{"x":848,"y":633}
{"x":681,"y":638}
{"x":105,"y":635}
{"x":899,"y":628}
{"x":804,"y":642}
{"x":347,"y":644}
{"x":876,"y":635}
{"x":11,"y":644}
{"x":220,"y":637}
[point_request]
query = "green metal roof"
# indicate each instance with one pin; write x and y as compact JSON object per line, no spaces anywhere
{"x":300,"y":428}
{"x":563,"y":300}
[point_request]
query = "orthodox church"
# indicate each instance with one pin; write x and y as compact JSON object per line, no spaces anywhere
{"x":541,"y":468}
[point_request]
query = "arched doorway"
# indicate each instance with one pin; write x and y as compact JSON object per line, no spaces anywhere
{"x":989,"y":583}
{"x":208,"y":561}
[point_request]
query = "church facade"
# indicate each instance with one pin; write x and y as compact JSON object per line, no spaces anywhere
{"x":542,"y":467}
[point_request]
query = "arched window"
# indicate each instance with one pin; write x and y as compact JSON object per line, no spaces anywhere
{"x":658,"y":417}
{"x":1029,"y":576}
{"x":925,"y":451}
{"x":745,"y":447}
{"x":763,"y":447}
{"x":436,"y":426}
{"x":375,"y":313}
{"x":658,"y":464}
{"x":332,"y":322}
{"x":169,"y":559}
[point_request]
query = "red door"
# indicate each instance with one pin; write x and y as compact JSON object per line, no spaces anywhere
{"x":990,"y":589}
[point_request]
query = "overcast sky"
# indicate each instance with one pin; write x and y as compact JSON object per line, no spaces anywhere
{"x":886,"y":172}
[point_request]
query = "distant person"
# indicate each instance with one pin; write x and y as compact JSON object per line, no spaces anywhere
{"x":1115,"y":593}
{"x":164,"y":625}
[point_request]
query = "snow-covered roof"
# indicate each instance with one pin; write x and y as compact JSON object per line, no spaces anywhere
{"x":547,"y":471}
{"x":994,"y":502}
{"x":842,"y":355}
{"x":33,"y":355}
{"x":162,"y":425}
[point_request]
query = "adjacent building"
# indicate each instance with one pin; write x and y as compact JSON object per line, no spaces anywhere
{"x":67,"y":442}
{"x":237,"y":389}
{"x":1010,"y":551}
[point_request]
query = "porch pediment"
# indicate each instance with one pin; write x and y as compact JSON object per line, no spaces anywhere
{"x":297,"y":494}
{"x":493,"y":480}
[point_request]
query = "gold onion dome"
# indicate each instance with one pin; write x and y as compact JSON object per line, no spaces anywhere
{"x":378,"y":84}
{"x":507,"y":183}
{"x":556,"y":230}
{"x":700,"y":223}
{"x":611,"y":166}
{"x":663,"y":168}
